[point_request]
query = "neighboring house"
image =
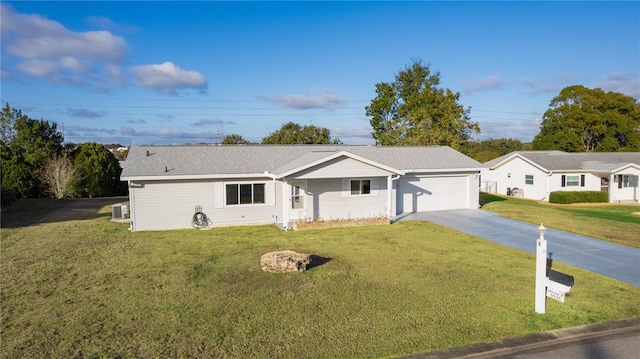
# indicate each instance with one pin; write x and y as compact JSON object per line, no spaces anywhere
{"x":535,"y":174}
{"x":282,"y":184}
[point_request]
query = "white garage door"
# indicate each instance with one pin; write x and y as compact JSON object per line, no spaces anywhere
{"x":418,"y":194}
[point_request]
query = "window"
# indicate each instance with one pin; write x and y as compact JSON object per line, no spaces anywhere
{"x":297,"y":198}
{"x":245,"y":193}
{"x":359,"y":187}
{"x":624,"y":181}
{"x":528,"y":179}
{"x":573,"y":180}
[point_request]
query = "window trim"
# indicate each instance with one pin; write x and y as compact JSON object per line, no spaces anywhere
{"x":624,"y":181}
{"x":239,"y":192}
{"x":571,"y":179}
{"x":373,"y":187}
{"x":579,"y":181}
{"x":361,"y":187}
{"x":528,"y":181}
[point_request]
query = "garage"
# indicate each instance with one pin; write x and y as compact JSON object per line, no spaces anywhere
{"x":429,"y":193}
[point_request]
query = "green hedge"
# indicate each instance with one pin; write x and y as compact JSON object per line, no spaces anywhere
{"x":565,"y":197}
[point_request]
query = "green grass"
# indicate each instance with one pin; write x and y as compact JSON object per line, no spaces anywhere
{"x":614,"y":223}
{"x":90,"y":288}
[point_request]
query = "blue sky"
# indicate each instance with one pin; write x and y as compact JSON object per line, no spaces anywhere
{"x":187,"y":72}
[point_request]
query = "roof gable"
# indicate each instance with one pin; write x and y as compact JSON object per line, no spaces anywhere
{"x":558,"y":161}
{"x":309,"y":160}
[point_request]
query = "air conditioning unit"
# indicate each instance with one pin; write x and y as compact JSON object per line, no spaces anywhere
{"x":119,"y":211}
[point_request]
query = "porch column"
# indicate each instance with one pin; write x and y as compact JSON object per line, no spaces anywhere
{"x":611,"y":187}
{"x":286,"y":204}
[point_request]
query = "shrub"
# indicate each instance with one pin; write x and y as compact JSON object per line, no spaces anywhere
{"x":565,"y":197}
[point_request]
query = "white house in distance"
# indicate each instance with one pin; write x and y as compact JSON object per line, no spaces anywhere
{"x":535,"y":174}
{"x":282,"y":184}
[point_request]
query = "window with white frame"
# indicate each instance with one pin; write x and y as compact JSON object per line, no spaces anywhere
{"x":360,"y":187}
{"x":573,"y":180}
{"x":528,"y":179}
{"x":625,"y":181}
{"x":244,"y":193}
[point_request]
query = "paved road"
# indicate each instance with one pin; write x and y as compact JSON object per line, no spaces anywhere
{"x":606,"y":258}
{"x":608,"y":340}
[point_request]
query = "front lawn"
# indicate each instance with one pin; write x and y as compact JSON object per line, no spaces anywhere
{"x":90,"y":288}
{"x":611,"y":222}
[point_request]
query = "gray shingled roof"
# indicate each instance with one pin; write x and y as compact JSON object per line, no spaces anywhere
{"x":582,"y":161}
{"x":256,"y":159}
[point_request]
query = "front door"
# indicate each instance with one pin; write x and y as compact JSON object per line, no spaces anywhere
{"x":298,"y":201}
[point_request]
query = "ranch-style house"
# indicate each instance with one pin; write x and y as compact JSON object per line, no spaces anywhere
{"x":172,"y":187}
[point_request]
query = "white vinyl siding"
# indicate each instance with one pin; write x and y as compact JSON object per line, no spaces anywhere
{"x":627,"y":189}
{"x":513,"y":174}
{"x":159,"y":205}
{"x":169,"y":204}
{"x":325,"y":200}
{"x":341,"y":167}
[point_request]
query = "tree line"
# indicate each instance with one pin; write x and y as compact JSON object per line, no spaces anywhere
{"x":37,"y":163}
{"x":411,"y":110}
{"x":414,"y":110}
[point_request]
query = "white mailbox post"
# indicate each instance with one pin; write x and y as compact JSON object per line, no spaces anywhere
{"x":541,"y":272}
{"x":554,"y":288}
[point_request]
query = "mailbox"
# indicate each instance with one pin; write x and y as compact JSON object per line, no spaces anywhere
{"x":558,"y":284}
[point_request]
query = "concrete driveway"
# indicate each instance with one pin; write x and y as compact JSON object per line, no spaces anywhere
{"x":609,"y":259}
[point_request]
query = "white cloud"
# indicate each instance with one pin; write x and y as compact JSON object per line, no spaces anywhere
{"x":353,"y":136}
{"x":625,"y":82}
{"x":168,"y":78}
{"x":211,"y":122}
{"x":170,"y":134}
{"x":327,"y":100}
{"x":527,"y":81}
{"x":491,"y":82}
{"x":84,"y":113}
{"x":521,"y":129}
{"x":80,"y":131}
{"x":47,"y":50}
{"x":38,"y":67}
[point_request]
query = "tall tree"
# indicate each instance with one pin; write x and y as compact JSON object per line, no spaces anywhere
{"x":293,"y":133}
{"x":581,"y":119}
{"x":26,"y":145}
{"x":234,"y":139}
{"x":99,"y":171}
{"x":413,"y":110}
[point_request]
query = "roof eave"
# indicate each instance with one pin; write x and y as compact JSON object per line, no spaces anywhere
{"x":197,"y":177}
{"x":443,"y":170}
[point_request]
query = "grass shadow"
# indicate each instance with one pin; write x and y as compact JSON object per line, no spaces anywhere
{"x":317,"y":261}
{"x":31,"y":211}
{"x":488,"y":198}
